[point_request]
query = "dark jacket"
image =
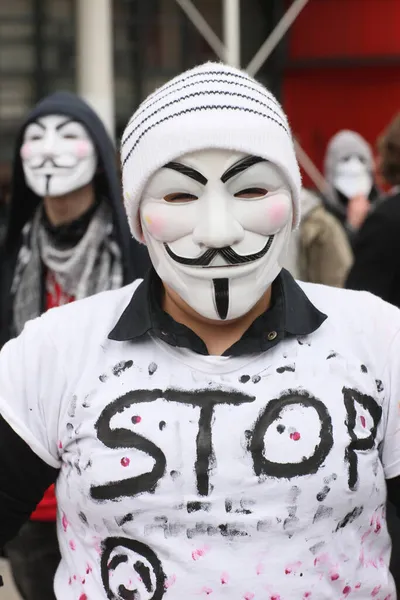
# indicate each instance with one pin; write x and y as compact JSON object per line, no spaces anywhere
{"x":376,"y":265}
{"x":339,"y":210}
{"x":23,"y":201}
{"x":3,"y":223}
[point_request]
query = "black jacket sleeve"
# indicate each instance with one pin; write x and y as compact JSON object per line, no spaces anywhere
{"x":24,"y":477}
{"x":376,"y":255}
{"x":393,"y":490}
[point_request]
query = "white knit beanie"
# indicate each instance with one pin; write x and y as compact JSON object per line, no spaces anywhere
{"x":210,"y":106}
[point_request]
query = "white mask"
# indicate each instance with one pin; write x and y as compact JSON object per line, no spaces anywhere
{"x":58,"y":156}
{"x":352,"y":177}
{"x":244,"y":212}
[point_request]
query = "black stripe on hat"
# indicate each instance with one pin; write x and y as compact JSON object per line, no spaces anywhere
{"x":228,"y":74}
{"x":197,"y":109}
{"x":257,"y":89}
{"x":203,"y":93}
{"x":200,"y":73}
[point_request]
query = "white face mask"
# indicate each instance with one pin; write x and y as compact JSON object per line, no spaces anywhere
{"x":58,"y":156}
{"x":217,"y":225}
{"x":352,"y":177}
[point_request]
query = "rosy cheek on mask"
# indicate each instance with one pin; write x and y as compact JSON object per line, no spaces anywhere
{"x":26,"y":150}
{"x":266,"y":216}
{"x":167,"y":223}
{"x":277,"y":214}
{"x":154,"y":224}
{"x":82,"y":148}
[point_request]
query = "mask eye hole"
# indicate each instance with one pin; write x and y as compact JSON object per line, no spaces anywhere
{"x":180,"y":197}
{"x":70,"y":136}
{"x":252,"y":193}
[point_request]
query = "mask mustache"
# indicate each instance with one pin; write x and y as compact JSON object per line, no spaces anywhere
{"x":231,"y":257}
{"x":51,"y":163}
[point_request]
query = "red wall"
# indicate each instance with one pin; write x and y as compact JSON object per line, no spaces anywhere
{"x":327,"y":28}
{"x":319,"y":99}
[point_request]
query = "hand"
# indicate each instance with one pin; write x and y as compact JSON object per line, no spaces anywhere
{"x":357,"y":210}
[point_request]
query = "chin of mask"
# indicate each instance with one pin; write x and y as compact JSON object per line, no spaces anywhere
{"x":352,"y":178}
{"x":58,"y":156}
{"x":217,"y":225}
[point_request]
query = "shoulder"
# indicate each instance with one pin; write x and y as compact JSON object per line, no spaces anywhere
{"x":356,"y":314}
{"x":381,"y":227}
{"x":98,"y":314}
{"x":387,"y":207}
{"x":320,"y":217}
{"x":321,"y":225}
{"x":334,"y":299}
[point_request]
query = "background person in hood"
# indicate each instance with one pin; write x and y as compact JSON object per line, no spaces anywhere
{"x":319,"y":251}
{"x":349,"y":171}
{"x":67,"y":239}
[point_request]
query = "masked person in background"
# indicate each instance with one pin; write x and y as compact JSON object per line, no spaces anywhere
{"x":377,"y":249}
{"x":349,"y":172}
{"x":216,"y":429}
{"x":67,"y":239}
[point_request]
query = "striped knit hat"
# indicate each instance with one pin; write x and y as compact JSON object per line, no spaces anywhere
{"x":210,"y":106}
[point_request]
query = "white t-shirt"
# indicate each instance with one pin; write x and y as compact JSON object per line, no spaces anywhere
{"x":186,"y":476}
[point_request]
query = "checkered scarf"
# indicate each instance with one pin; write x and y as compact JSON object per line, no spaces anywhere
{"x":91,"y":266}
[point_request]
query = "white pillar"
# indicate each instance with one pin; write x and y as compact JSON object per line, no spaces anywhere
{"x":95,"y":58}
{"x":231,"y":28}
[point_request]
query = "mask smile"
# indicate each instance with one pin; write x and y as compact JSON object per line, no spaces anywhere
{"x":230,"y":256}
{"x":51,"y":164}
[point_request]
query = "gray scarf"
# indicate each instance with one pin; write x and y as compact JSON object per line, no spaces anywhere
{"x":93,"y":265}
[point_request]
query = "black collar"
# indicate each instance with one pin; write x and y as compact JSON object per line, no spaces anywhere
{"x":291,"y":314}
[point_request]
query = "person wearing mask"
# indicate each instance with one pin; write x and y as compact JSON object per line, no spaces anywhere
{"x":66,"y":239}
{"x":319,"y":251}
{"x":216,"y":429}
{"x":349,"y":172}
{"x":377,"y":250}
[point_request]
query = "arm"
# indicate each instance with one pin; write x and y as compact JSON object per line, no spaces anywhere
{"x":393,"y":489}
{"x":376,"y":248}
{"x":29,"y":458}
{"x":390,"y":451}
{"x":24,"y":477}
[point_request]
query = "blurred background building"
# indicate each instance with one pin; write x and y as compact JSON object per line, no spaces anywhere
{"x":337,"y":67}
{"x":152,"y":40}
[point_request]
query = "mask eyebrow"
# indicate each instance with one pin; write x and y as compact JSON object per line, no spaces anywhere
{"x":38,"y":123}
{"x":240,"y":166}
{"x":188,"y":171}
{"x":61,"y":125}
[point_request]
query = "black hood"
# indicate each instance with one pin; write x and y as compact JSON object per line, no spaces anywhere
{"x":23,"y":201}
